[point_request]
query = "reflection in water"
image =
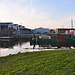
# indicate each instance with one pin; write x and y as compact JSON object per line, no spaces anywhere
{"x":25,"y":45}
{"x":12,"y":46}
{"x":12,"y":43}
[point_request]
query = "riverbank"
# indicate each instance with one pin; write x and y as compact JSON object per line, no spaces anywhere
{"x":56,"y":62}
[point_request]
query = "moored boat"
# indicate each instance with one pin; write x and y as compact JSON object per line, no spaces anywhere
{"x":44,"y":38}
{"x":64,"y":35}
{"x":54,"y":39}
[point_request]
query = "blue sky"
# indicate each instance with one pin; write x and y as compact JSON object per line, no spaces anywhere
{"x":38,"y":13}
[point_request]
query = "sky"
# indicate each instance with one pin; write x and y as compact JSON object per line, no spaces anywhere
{"x":32,"y":14}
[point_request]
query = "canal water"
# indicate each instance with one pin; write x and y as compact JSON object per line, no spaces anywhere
{"x":10,"y":47}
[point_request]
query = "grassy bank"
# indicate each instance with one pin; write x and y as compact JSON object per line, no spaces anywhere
{"x":59,"y":62}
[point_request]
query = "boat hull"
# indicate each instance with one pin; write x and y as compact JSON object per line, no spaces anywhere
{"x":55,"y":40}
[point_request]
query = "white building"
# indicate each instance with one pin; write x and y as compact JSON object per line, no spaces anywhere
{"x":11,"y":28}
{"x":5,"y":25}
{"x":20,"y":27}
{"x":15,"y":26}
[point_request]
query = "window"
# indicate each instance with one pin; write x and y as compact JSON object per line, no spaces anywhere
{"x":3,"y":27}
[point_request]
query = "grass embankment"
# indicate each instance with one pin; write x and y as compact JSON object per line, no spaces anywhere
{"x":60,"y":62}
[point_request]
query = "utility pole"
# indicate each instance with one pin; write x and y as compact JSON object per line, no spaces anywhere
{"x":72,"y":23}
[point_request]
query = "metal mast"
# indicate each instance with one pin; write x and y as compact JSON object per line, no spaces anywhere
{"x":72,"y":23}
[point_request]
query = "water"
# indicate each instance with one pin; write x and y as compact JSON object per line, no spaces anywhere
{"x":24,"y":45}
{"x":16,"y":46}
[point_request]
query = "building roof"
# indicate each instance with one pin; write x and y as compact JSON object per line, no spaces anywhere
{"x":6,"y":22}
{"x":41,"y":30}
{"x":15,"y":24}
{"x":65,"y":28}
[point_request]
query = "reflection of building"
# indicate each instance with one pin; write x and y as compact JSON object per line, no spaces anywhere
{"x":12,"y":42}
{"x":41,"y":30}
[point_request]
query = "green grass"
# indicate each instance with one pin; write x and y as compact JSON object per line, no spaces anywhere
{"x":57,"y":62}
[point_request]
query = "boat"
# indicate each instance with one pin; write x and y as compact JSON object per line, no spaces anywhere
{"x":54,"y":39}
{"x":44,"y":38}
{"x":66,"y":37}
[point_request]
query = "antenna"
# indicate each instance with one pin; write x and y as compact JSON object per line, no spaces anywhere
{"x":72,"y":23}
{"x":21,"y":23}
{"x":62,"y":26}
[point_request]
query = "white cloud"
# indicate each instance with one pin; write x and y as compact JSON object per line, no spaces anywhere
{"x":27,"y":15}
{"x":22,"y":0}
{"x":30,"y":17}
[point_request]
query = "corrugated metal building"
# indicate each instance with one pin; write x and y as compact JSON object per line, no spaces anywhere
{"x":41,"y":30}
{"x":25,"y":31}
